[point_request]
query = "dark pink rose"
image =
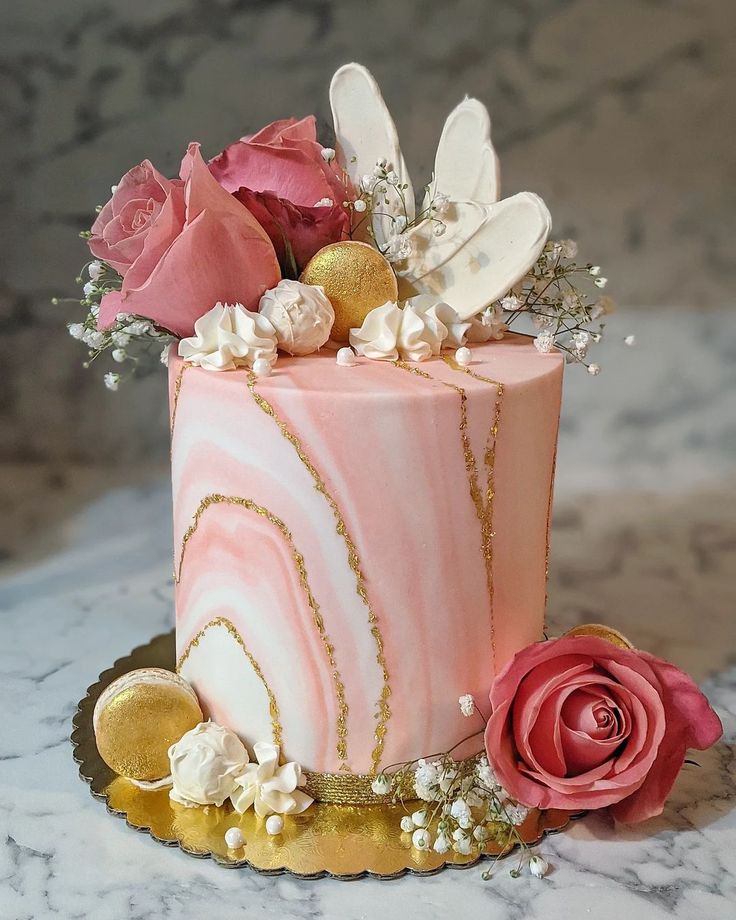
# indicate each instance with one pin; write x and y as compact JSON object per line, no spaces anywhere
{"x":201,"y":246}
{"x":140,"y":213}
{"x":294,"y":227}
{"x":283,"y":158}
{"x":578,"y":723}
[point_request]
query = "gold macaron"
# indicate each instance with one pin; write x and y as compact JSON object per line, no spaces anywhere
{"x":356,"y":279}
{"x":137,"y":719}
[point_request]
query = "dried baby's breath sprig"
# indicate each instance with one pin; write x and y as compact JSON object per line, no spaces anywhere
{"x":382,"y":194}
{"x":130,"y":341}
{"x":562,"y":302}
{"x":464,"y":806}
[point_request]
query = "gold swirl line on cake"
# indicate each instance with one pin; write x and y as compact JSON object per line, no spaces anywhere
{"x":177,"y":392}
{"x":490,"y":464}
{"x":383,"y":709}
{"x":250,"y":505}
{"x":273,"y":707}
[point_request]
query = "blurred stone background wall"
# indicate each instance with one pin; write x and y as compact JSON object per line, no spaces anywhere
{"x":618,"y":112}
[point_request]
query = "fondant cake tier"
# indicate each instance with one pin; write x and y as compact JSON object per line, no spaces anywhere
{"x":357,"y":547}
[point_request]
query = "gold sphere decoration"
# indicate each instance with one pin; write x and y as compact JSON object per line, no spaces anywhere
{"x":137,"y":719}
{"x":356,"y":279}
{"x":599,"y":631}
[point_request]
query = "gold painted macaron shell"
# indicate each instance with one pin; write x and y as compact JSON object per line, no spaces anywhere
{"x":138,"y":717}
{"x":599,"y":631}
{"x":356,"y":279}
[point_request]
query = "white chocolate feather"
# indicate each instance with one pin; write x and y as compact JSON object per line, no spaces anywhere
{"x":485,"y":250}
{"x":466,"y":166}
{"x":365,"y":133}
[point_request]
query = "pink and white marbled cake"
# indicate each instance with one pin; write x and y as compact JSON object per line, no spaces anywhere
{"x":355,"y":548}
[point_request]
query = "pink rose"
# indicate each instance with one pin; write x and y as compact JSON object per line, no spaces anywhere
{"x":143,"y":207}
{"x":578,"y":723}
{"x":283,"y":158}
{"x":186,"y":249}
{"x":293,"y":227}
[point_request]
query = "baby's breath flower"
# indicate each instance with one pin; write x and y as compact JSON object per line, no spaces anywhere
{"x":139,"y":327}
{"x":95,"y":269}
{"x":463,"y":843}
{"x":544,"y":342}
{"x":480,"y":833}
{"x":516,"y":814}
{"x":89,"y":289}
{"x":359,"y":205}
{"x":442,"y":843}
{"x":467,"y":705}
{"x":381,"y":785}
{"x":594,"y":370}
{"x":439,"y":229}
{"x":76,"y":330}
{"x":510,"y":303}
{"x":600,"y":282}
{"x":569,"y":248}
{"x":112,"y":381}
{"x":119,"y":355}
{"x":93,"y":338}
{"x":440,"y":204}
{"x":461,"y":813}
{"x":407,"y":825}
{"x":421,"y":839}
{"x":420,"y":818}
{"x":120,"y":339}
{"x":538,"y":866}
{"x":328,"y":154}
{"x":630,"y":340}
{"x":594,"y":270}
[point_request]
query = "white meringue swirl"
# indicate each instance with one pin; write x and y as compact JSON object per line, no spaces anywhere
{"x":229,"y":336}
{"x":268,"y":787}
{"x":414,"y":332}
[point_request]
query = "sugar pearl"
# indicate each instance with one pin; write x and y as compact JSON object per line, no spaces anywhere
{"x":274,"y":825}
{"x":261,"y":367}
{"x":463,"y":356}
{"x":346,"y":357}
{"x":234,"y":838}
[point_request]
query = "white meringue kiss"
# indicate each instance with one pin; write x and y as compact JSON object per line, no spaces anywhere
{"x":301,"y":315}
{"x":204,"y":763}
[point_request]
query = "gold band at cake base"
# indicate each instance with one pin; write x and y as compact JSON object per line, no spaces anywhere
{"x":355,"y":788}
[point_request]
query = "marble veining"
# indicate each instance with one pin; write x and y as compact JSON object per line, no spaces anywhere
{"x":643,"y":537}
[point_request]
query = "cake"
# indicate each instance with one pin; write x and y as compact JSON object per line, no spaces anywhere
{"x":364,"y":391}
{"x":358,"y":547}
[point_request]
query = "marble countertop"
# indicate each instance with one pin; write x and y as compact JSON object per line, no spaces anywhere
{"x":644,"y":538}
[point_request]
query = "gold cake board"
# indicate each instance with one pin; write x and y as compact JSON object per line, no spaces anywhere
{"x":340,"y":841}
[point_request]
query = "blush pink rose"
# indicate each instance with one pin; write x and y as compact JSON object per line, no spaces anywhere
{"x":295,"y":230}
{"x":284,"y":158}
{"x":578,"y":723}
{"x":143,"y":208}
{"x":199,"y":247}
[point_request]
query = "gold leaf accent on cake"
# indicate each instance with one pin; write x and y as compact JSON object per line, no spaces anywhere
{"x":177,"y":391}
{"x":489,"y":458}
{"x":483,"y":505}
{"x":273,"y":708}
{"x":383,"y":710}
{"x":250,"y":505}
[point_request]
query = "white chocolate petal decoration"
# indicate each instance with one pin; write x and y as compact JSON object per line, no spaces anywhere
{"x":466,"y":166}
{"x":485,"y":250}
{"x":365,"y":133}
